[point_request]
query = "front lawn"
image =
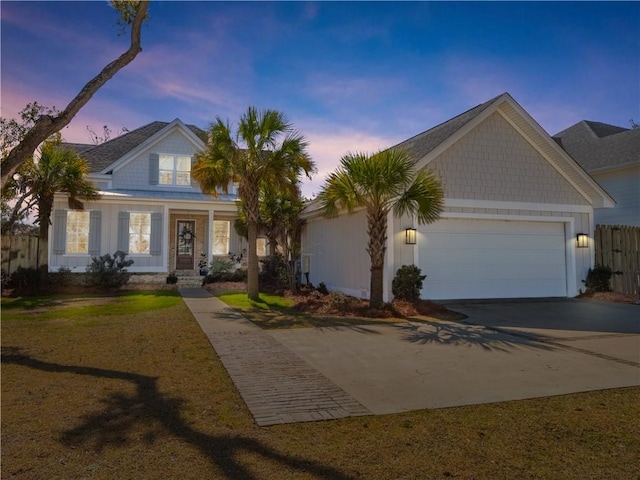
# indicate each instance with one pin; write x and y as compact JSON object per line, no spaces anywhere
{"x":137,"y":392}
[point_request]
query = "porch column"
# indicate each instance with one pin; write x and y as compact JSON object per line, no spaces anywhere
{"x":210,"y":246}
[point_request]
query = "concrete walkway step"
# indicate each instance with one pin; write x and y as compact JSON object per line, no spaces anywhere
{"x":275,"y":383}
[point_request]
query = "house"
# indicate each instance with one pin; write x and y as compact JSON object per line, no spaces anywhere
{"x":611,"y":155}
{"x":516,"y":207}
{"x":149,"y":206}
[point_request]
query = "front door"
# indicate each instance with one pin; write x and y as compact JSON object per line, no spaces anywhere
{"x":185,"y":240}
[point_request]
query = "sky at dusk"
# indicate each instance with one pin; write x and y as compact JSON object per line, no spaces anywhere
{"x":350,"y":76}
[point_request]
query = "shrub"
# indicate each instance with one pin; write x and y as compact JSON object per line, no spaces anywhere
{"x":172,"y":278}
{"x":239,"y":275}
{"x":220,"y":265}
{"x":27,"y":280}
{"x":322,"y":288}
{"x":109,"y":271}
{"x":598,"y":279}
{"x":407,"y":283}
{"x":274,"y":272}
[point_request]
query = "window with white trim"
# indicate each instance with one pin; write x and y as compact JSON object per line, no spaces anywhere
{"x":261,"y":247}
{"x":139,"y":233}
{"x":175,"y":170}
{"x":221,"y":237}
{"x":77,"y":232}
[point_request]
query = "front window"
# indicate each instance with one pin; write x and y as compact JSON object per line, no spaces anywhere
{"x":77,"y":232}
{"x":220,"y":237}
{"x":175,"y":170}
{"x":139,"y":232}
{"x":261,"y":247}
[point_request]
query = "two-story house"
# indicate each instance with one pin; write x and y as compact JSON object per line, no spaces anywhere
{"x":149,"y":205}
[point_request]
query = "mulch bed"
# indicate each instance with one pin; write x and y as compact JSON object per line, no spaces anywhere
{"x":615,"y":297}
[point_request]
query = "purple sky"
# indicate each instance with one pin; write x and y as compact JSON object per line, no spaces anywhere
{"x":351,"y":76}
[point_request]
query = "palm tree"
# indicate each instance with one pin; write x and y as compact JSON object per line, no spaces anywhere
{"x":380,"y":183}
{"x":59,"y":170}
{"x":265,"y":150}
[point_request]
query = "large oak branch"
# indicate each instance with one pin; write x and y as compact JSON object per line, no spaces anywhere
{"x":47,"y":125}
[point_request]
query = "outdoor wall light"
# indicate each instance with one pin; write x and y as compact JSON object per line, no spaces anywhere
{"x":410,"y":236}
{"x":582,"y":240}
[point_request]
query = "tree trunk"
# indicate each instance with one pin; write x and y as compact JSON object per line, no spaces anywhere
{"x":47,"y":125}
{"x":253,"y":287}
{"x":377,"y":230}
{"x":376,"y":297}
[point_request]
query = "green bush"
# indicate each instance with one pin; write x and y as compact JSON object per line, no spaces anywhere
{"x":274,"y":272}
{"x":240,"y":275}
{"x":220,"y":265}
{"x":407,"y":283}
{"x":598,"y":279}
{"x":108,"y":271}
{"x":27,"y":280}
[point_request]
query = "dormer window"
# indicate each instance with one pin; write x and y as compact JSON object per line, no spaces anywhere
{"x":175,"y":170}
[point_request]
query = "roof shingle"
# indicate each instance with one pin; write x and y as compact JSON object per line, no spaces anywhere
{"x":101,"y":156}
{"x":597,"y":146}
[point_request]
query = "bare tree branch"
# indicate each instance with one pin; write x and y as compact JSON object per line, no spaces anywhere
{"x":47,"y":125}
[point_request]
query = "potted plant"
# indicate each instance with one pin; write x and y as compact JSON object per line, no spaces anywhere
{"x":172,"y":278}
{"x":202,"y":264}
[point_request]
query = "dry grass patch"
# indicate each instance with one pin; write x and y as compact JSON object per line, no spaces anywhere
{"x":143,"y":395}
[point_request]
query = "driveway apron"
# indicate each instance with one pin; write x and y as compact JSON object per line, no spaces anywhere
{"x":275,"y":383}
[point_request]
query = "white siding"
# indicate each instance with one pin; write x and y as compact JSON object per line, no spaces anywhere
{"x":337,"y":255}
{"x":624,"y":186}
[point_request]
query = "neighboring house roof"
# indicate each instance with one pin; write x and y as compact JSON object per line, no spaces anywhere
{"x":100,"y":157}
{"x":599,"y":146}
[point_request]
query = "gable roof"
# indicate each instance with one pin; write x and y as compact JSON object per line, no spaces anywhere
{"x":599,"y":146}
{"x":101,"y":157}
{"x":423,"y":143}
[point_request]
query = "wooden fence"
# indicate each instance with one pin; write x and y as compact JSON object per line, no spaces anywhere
{"x":20,"y":251}
{"x":618,"y":247}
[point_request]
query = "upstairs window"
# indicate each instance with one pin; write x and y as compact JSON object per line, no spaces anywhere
{"x":175,"y":170}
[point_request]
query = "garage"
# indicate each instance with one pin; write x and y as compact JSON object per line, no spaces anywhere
{"x":468,"y":258}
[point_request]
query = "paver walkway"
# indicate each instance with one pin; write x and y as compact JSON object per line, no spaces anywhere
{"x":275,"y":383}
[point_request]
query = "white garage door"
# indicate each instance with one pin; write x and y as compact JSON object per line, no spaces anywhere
{"x":492,"y":259}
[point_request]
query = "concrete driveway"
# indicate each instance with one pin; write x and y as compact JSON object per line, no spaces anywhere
{"x":504,"y":351}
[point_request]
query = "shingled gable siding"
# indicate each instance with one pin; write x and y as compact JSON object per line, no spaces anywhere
{"x":139,"y":174}
{"x":494,"y":162}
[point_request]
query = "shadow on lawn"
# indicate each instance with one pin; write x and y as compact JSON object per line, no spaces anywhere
{"x":427,"y":332}
{"x":122,"y":413}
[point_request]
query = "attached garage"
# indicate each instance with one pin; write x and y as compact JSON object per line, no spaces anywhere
{"x":468,"y":258}
{"x":514,"y":203}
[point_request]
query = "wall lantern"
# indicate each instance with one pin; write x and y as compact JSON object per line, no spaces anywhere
{"x":410,"y":236}
{"x":582,"y":240}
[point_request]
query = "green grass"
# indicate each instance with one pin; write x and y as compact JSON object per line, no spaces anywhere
{"x":266,"y":301}
{"x":141,"y":394}
{"x":88,"y":305}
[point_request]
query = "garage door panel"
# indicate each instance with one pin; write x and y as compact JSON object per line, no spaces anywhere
{"x":492,"y":259}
